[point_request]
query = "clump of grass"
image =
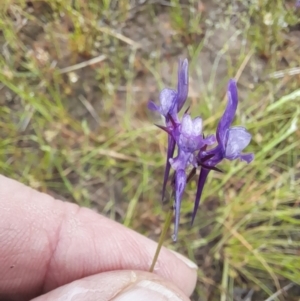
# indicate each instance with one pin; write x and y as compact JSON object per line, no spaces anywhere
{"x":268,"y":22}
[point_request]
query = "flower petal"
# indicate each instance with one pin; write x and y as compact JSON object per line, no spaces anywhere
{"x":186,"y":125}
{"x":229,"y":113}
{"x":247,"y":157}
{"x":180,"y":184}
{"x":183,"y":83}
{"x":197,"y":126}
{"x":201,"y":181}
{"x":237,"y":139}
{"x":152,"y":106}
{"x":167,"y":99}
{"x":209,"y":140}
{"x":211,"y":157}
{"x":190,"y":143}
{"x":181,"y":160}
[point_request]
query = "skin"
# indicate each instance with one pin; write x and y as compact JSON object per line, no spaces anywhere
{"x":49,"y":247}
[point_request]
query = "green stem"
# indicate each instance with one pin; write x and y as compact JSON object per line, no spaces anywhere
{"x":225,"y":280}
{"x":162,"y":238}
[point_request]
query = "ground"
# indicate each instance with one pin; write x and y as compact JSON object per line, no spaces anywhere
{"x":76,"y":77}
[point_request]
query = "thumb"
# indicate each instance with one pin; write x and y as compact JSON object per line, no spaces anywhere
{"x":117,"y":286}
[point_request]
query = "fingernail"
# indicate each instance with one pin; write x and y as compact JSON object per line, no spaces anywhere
{"x":188,"y":262}
{"x":148,"y":290}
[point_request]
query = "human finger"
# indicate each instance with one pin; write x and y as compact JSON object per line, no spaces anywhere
{"x":46,"y":243}
{"x":117,"y":286}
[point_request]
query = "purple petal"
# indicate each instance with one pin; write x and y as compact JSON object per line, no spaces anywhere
{"x":167,"y":99}
{"x":211,"y":157}
{"x":152,"y":106}
{"x":170,"y":153}
{"x":201,"y":181}
{"x":209,"y":140}
{"x":180,"y":184}
{"x":197,"y":126}
{"x":247,"y":157}
{"x":237,"y":139}
{"x":229,"y":113}
{"x":183,"y":83}
{"x":190,"y":138}
{"x":187,"y":125}
{"x":189,"y":143}
{"x":181,"y":160}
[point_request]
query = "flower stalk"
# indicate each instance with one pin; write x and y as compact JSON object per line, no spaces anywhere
{"x":162,"y":238}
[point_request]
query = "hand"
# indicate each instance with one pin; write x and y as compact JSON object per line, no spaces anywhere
{"x":55,"y":250}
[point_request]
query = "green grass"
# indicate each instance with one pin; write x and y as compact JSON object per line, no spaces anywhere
{"x":86,"y":136}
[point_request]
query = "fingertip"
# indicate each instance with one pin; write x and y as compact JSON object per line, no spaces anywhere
{"x":118,"y":286}
{"x":56,"y":243}
{"x":184,"y":272}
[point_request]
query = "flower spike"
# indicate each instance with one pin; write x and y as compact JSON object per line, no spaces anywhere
{"x":231,"y":142}
{"x":186,"y":136}
{"x":171,"y":102}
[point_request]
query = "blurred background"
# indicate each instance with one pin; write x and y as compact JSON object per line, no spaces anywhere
{"x":76,"y":77}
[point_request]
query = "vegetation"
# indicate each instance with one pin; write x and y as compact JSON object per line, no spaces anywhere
{"x":75,"y":80}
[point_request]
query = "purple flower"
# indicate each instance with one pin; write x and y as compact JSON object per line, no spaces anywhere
{"x":171,"y":102}
{"x":297,"y":4}
{"x":231,"y":142}
{"x":167,"y":98}
{"x":189,"y":139}
{"x":192,"y":146}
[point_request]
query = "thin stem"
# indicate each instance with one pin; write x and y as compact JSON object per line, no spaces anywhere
{"x":225,"y":280}
{"x":162,"y":238}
